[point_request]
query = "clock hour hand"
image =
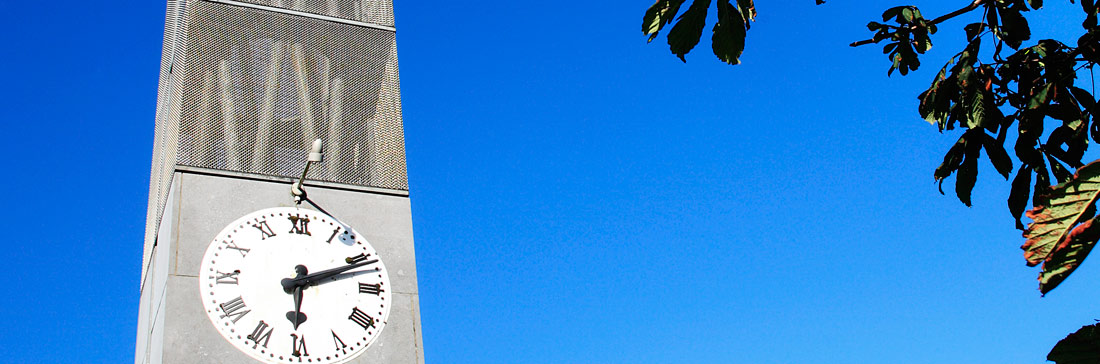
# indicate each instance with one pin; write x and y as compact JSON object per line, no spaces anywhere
{"x":296,"y":317}
{"x":312,"y":279}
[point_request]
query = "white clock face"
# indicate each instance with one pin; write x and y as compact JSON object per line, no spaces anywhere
{"x":290,"y":285}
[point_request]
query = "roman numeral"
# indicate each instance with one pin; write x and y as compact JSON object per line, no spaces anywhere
{"x":333,"y":236}
{"x":234,"y":308}
{"x":356,"y":259}
{"x":228,"y":278}
{"x":231,"y":245}
{"x":262,"y":332}
{"x":299,"y":345}
{"x":265,"y":230}
{"x":373,"y":289}
{"x":361,"y":318}
{"x":339,"y":343}
{"x":299,"y":225}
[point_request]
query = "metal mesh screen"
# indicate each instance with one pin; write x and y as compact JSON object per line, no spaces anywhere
{"x":247,"y":90}
{"x":260,"y":86}
{"x":378,"y":12}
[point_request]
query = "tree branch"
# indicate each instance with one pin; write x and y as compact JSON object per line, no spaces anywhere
{"x":973,"y":5}
{"x":864,"y":42}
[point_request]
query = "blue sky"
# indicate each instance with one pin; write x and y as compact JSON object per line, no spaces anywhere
{"x":578,"y":195}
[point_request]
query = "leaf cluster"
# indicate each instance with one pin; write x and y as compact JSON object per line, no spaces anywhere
{"x":728,"y":34}
{"x":1006,"y":98}
{"x":1030,"y":88}
{"x":909,"y":37}
{"x":1079,"y":347}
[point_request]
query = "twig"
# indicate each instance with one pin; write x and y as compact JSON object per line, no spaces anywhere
{"x":864,"y":42}
{"x":967,"y":9}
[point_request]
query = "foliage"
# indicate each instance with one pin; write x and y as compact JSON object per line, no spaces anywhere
{"x":1062,"y":233}
{"x":907,"y":39}
{"x":993,"y":85}
{"x":1078,"y":348}
{"x":728,"y":39}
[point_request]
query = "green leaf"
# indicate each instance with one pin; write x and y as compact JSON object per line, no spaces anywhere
{"x":874,"y":26}
{"x":1041,"y":98}
{"x":935,"y":103}
{"x":927,"y":107}
{"x":1068,"y":255}
{"x":907,"y":15}
{"x":897,"y":59}
{"x":687,"y":31}
{"x":1075,"y":149}
{"x":1021,"y":191}
{"x":923,"y":42}
{"x":973,"y":30}
{"x":1064,"y":112}
{"x":1090,"y":10}
{"x":1014,"y":29}
{"x":1044,"y":47}
{"x":1074,"y":135}
{"x":748,"y":11}
{"x":967,"y":175}
{"x":992,"y":19}
{"x":1060,"y":172}
{"x":1035,"y":4}
{"x":978,"y":117}
{"x":892,"y":13}
{"x":952,"y":160}
{"x":1062,"y":232}
{"x":1039,"y":195}
{"x":728,"y":40}
{"x":1084,"y":98}
{"x":905,"y":59}
{"x":969,"y":56}
{"x":1028,"y":154}
{"x":995,"y":117}
{"x":889,"y":47}
{"x":1081,"y":347}
{"x":1089,"y":45}
{"x":997,"y":155}
{"x":1095,"y":130}
{"x":1031,"y":124}
{"x":1006,"y":123}
{"x":660,"y":14}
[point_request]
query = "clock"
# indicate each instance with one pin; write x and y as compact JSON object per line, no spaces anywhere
{"x":292,"y":285}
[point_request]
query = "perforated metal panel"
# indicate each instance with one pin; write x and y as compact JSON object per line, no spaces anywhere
{"x":247,"y":90}
{"x":260,"y":86}
{"x":378,"y":12}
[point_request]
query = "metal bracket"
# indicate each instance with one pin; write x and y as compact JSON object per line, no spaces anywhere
{"x":316,"y":155}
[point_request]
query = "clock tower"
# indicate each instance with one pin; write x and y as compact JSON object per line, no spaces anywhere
{"x":241,"y":266}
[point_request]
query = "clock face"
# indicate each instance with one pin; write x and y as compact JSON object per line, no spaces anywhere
{"x":290,"y":285}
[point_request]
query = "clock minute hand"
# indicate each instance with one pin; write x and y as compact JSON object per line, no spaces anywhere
{"x":312,"y":279}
